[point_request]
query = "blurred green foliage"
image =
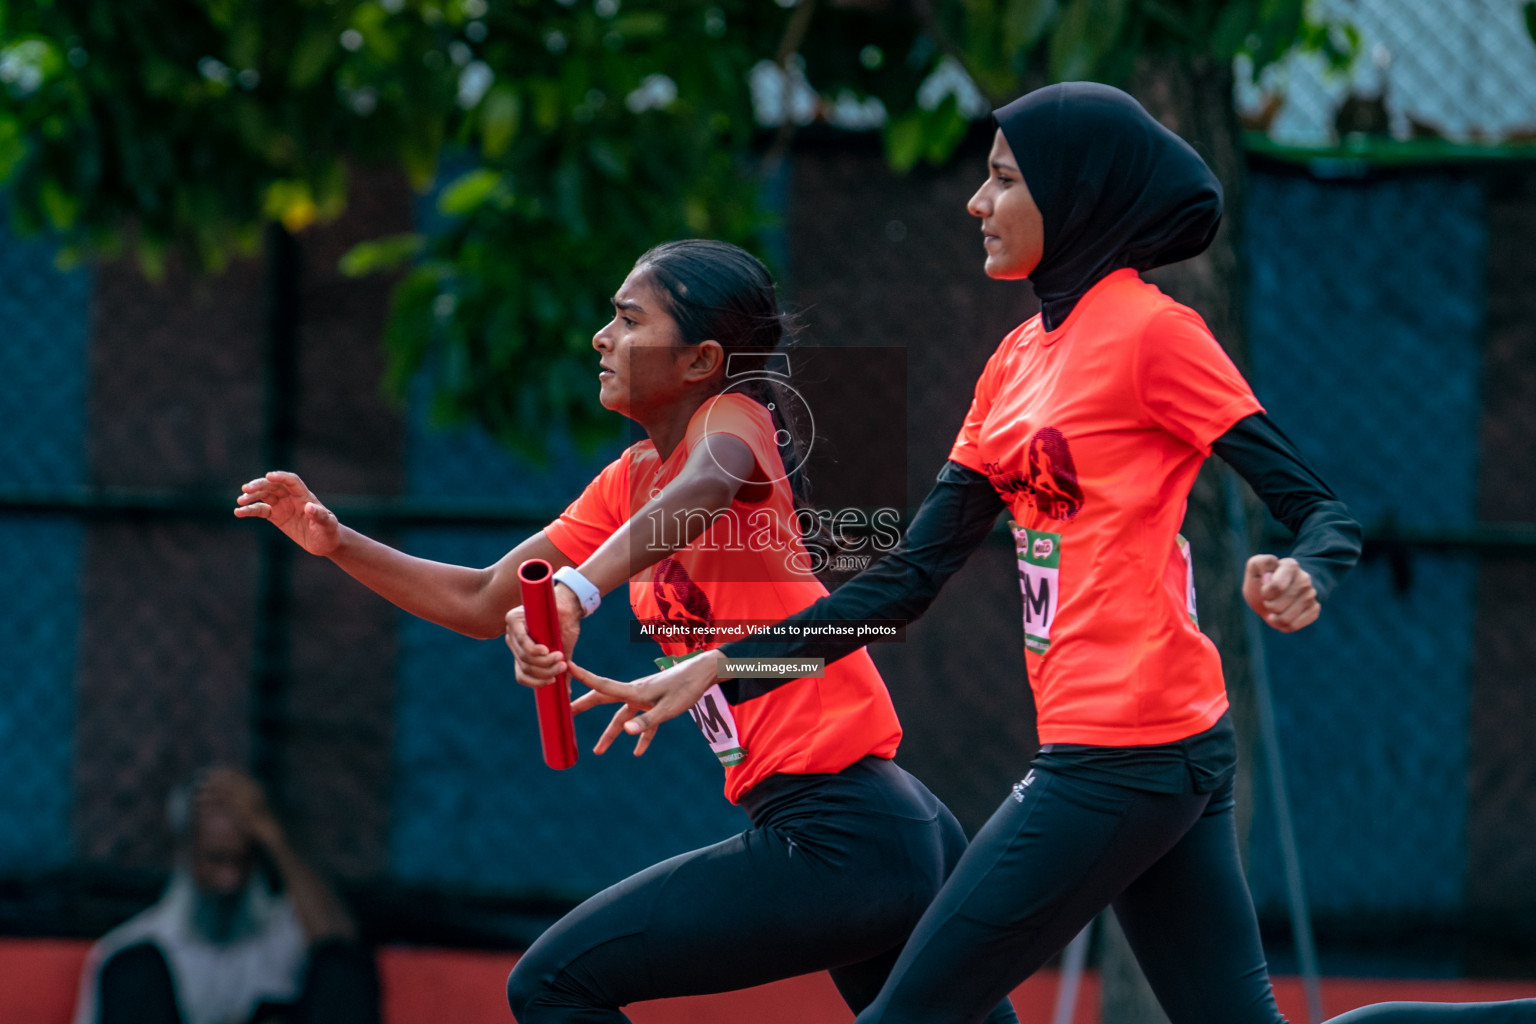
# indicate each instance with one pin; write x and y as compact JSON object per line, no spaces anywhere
{"x":579,"y":133}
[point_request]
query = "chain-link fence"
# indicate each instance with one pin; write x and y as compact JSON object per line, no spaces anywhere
{"x":43,"y":371}
{"x":1384,"y":316}
{"x":1462,"y":71}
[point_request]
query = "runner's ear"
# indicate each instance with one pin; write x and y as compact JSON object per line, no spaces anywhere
{"x":708,"y":359}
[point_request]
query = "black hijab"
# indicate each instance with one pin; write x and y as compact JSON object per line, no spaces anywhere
{"x":1115,"y":188}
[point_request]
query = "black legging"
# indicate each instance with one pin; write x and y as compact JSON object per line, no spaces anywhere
{"x":1059,"y":850}
{"x":832,"y":875}
{"x":1515,"y":1011}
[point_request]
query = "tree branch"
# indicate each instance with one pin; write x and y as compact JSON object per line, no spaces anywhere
{"x":929,"y":18}
{"x":794,"y":35}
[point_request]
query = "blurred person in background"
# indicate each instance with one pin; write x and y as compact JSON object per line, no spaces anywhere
{"x":246,"y":932}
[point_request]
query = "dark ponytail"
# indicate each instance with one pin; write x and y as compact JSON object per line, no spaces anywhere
{"x":719,"y":291}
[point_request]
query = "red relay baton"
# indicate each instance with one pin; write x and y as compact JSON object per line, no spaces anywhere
{"x":557,"y":732}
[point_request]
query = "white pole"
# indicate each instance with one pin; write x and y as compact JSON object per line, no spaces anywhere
{"x":1073,"y":960}
{"x":1301,"y":919}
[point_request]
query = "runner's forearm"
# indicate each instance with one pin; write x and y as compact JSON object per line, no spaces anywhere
{"x":671,"y":521}
{"x":1327,"y":536}
{"x":952,"y":522}
{"x":470,"y":601}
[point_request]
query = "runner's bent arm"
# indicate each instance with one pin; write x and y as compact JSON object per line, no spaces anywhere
{"x":951,"y":523}
{"x":717,"y":470}
{"x":1288,"y":592}
{"x":1327,"y":541}
{"x":467,"y":600}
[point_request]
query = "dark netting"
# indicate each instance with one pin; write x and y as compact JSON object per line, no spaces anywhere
{"x":1376,"y":346}
{"x":44,"y":324}
{"x":40,"y":570}
{"x":1501,"y":859}
{"x":1365,"y":320}
{"x":46,"y":314}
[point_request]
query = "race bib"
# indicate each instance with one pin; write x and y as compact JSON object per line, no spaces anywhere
{"x":712,"y":714}
{"x":1039,"y":583}
{"x":1189,"y":577}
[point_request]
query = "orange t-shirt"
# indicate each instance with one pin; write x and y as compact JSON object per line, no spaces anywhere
{"x":1094,"y":433}
{"x":748,"y":567}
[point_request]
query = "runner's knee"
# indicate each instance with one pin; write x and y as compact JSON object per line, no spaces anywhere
{"x":526,"y":985}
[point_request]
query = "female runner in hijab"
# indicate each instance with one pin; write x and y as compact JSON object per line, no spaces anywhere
{"x":1089,"y":424}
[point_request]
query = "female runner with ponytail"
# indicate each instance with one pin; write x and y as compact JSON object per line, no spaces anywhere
{"x":1089,"y":425}
{"x":845,"y":849}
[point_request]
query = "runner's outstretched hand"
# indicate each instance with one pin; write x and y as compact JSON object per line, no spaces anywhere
{"x":648,"y":701}
{"x":621,"y":717}
{"x":282,"y":499}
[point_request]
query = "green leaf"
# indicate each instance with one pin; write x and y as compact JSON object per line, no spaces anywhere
{"x":500,"y":114}
{"x":1339,"y":45}
{"x":291,"y":202}
{"x":547,"y":103}
{"x":641,"y":25}
{"x":388,"y":253}
{"x":944,"y":129}
{"x":245,"y":44}
{"x":1231,"y":30}
{"x":1173,"y":21}
{"x":13,"y":146}
{"x":410,"y":329}
{"x":1071,"y":53}
{"x":152,"y":259}
{"x":1280,"y":24}
{"x":68,"y":258}
{"x":330,"y":187}
{"x":1024,"y":21}
{"x":163,"y":78}
{"x":568,"y":196}
{"x":60,"y":206}
{"x":419,"y":158}
{"x":606,"y":159}
{"x":1530,"y":19}
{"x":904,"y":140}
{"x":696,"y":214}
{"x":468,"y":192}
{"x":1279,"y":12}
{"x":311,"y":56}
{"x":1104,"y":24}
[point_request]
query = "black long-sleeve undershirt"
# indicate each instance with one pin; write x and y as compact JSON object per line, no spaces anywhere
{"x":960,"y":510}
{"x":951,"y":523}
{"x":1328,"y":538}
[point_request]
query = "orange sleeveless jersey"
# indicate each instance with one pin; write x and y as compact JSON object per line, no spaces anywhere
{"x":748,"y":567}
{"x":1094,"y":433}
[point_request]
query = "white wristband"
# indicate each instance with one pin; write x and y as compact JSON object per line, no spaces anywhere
{"x":589,"y":596}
